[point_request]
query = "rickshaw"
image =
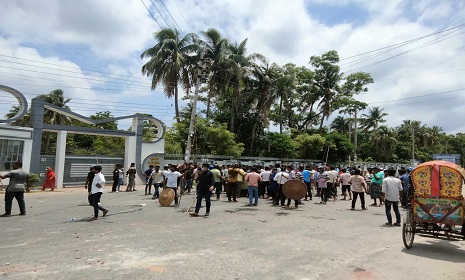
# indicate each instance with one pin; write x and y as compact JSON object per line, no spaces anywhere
{"x":436,"y":208}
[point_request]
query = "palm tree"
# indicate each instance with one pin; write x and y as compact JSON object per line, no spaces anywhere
{"x":262,"y":93}
{"x":55,"y":97}
{"x":172,"y":62}
{"x":216,"y":50}
{"x":341,"y":125}
{"x":385,"y":138}
{"x":374,"y":117}
{"x":24,"y":121}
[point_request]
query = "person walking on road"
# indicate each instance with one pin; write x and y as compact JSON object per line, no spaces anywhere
{"x":253,"y":180}
{"x":158,"y":179}
{"x":392,"y":191}
{"x":375,"y":187}
{"x":205,"y":186}
{"x":50,"y":180}
{"x":359,"y":187}
{"x":148,"y":180}
{"x":15,"y":189}
{"x":131,"y":174}
{"x":88,"y":185}
{"x":98,"y":183}
{"x":217,"y":175}
{"x":306,"y":174}
{"x":171,"y":181}
{"x":232,"y":185}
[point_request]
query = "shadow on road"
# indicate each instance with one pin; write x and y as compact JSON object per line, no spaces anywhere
{"x":437,"y":250}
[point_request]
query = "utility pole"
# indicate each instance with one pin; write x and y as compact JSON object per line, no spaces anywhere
{"x":413,"y":145}
{"x":200,"y":73}
{"x":355,"y":137}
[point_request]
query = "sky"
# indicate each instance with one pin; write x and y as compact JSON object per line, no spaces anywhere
{"x":91,"y":49}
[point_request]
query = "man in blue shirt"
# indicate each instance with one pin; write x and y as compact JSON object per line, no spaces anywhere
{"x":148,"y":180}
{"x":306,"y":175}
{"x":404,"y":179}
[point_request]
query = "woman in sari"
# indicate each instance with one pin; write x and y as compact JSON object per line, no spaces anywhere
{"x":50,"y":180}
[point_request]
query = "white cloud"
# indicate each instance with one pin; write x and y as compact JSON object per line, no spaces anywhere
{"x":110,"y":35}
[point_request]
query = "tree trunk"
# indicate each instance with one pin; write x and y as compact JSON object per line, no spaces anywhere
{"x":176,"y":105}
{"x":208,"y":104}
{"x":254,"y":129}
{"x":233,"y":110}
{"x":322,"y":120}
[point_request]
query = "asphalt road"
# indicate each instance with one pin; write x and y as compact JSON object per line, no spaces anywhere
{"x":236,"y":242}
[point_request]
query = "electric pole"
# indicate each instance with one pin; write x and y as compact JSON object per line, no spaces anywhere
{"x":201,"y":74}
{"x":413,"y":145}
{"x":355,"y":136}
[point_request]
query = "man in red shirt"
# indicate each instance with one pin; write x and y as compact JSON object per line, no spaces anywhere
{"x":252,"y":179}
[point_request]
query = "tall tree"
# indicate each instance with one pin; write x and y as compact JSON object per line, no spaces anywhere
{"x":385,"y":138}
{"x":24,"y":121}
{"x":341,"y":125}
{"x":327,"y":78}
{"x":55,"y":97}
{"x":172,"y":61}
{"x":216,"y":50}
{"x":373,"y":118}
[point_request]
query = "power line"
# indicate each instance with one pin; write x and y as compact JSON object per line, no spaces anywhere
{"x":72,"y":67}
{"x":160,"y":14}
{"x":408,"y":41}
{"x":151,"y":14}
{"x":171,"y":16}
{"x":405,"y":52}
{"x":183,"y":16}
{"x":418,"y":96}
{"x":363,"y":59}
{"x":420,"y":75}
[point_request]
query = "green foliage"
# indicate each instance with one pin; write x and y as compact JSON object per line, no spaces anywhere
{"x":340,"y":148}
{"x":32,"y":180}
{"x":279,"y":145}
{"x":309,"y":146}
{"x":172,"y":142}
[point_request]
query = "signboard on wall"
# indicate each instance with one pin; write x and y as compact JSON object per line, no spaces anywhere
{"x":154,"y":159}
{"x":454,"y":158}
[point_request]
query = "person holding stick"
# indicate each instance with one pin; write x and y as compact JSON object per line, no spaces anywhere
{"x":15,"y":189}
{"x":205,"y":186}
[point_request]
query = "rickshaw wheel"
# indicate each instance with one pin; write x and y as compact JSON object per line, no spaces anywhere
{"x":408,"y":231}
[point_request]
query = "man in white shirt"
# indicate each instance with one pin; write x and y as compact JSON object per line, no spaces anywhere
{"x":265,"y":183}
{"x":171,"y":181}
{"x":331,"y":183}
{"x":98,"y":183}
{"x":391,"y":191}
{"x":281,"y":178}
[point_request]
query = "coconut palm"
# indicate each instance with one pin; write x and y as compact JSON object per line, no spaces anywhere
{"x":385,"y":138}
{"x":262,"y":94}
{"x":373,"y":118}
{"x":216,"y":49}
{"x":172,"y":62}
{"x":24,"y":121}
{"x":56,"y":97}
{"x":341,"y":125}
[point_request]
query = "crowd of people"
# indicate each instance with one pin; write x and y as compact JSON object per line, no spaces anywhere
{"x":386,"y":187}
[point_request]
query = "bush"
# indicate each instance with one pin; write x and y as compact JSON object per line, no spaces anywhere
{"x":32,"y":180}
